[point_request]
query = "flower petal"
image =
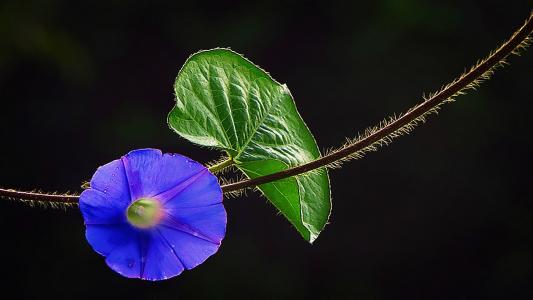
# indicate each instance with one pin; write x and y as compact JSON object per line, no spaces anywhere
{"x":106,"y":237}
{"x":119,"y":243}
{"x":126,"y":259}
{"x":96,"y":208}
{"x":150,"y":172}
{"x":134,"y":253}
{"x":111,"y":180}
{"x":204,"y":192}
{"x":207,"y":222}
{"x":160,"y":260}
{"x":190,"y":249}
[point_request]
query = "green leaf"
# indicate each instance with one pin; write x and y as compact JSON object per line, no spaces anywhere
{"x":225,"y":101}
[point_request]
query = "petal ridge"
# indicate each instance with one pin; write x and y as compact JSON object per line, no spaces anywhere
{"x":180,"y":187}
{"x":171,"y":248}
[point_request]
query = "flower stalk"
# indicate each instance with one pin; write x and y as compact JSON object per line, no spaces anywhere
{"x":221,"y":166}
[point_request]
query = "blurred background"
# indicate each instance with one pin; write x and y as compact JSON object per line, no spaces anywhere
{"x":444,"y":213}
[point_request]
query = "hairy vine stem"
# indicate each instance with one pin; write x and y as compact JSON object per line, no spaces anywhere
{"x":39,"y":197}
{"x":396,"y":127}
{"x":375,"y":137}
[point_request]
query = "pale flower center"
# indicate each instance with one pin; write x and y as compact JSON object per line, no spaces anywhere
{"x":144,"y":213}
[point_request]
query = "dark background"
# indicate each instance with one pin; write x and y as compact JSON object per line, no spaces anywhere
{"x":444,"y":213}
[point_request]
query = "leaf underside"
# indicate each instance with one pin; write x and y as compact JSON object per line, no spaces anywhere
{"x":226,"y":102}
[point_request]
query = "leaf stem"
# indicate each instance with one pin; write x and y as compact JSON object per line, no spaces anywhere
{"x":221,"y":165}
{"x":406,"y":122}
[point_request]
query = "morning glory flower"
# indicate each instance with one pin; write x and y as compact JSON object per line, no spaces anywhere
{"x":153,"y":215}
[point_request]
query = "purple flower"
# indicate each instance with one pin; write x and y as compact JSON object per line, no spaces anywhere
{"x":152,"y":215}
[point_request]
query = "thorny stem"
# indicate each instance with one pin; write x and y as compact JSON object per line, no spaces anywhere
{"x":469,"y":79}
